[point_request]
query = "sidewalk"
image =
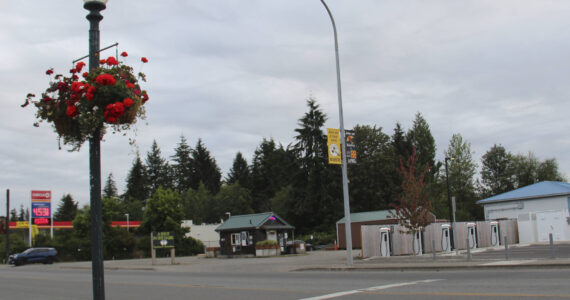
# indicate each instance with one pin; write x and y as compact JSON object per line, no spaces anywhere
{"x":324,"y":261}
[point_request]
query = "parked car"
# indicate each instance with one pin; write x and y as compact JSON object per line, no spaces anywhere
{"x":308,"y":247}
{"x":34,"y":255}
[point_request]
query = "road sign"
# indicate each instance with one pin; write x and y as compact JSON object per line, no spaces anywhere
{"x":333,"y":142}
{"x":163,"y":239}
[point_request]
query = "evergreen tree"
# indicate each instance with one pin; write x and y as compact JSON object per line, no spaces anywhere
{"x":137,"y":187}
{"x":67,"y":209}
{"x":14,"y":215}
{"x":420,"y":137}
{"x":157,"y":170}
{"x":183,"y":166}
{"x":110,"y":189}
{"x":272,"y":168}
{"x":239,"y":172}
{"x":461,"y":179}
{"x":402,"y":147}
{"x":23,"y":216}
{"x":205,"y":169}
{"x":320,"y":190}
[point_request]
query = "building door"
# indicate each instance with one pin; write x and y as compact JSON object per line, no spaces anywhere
{"x":272,"y":235}
{"x":548,"y":222}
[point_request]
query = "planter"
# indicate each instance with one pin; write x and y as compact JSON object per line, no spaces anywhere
{"x":271,"y":250}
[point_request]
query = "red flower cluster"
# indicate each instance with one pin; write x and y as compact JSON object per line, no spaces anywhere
{"x":105,"y":79}
{"x":49,"y":72}
{"x":114,"y":111}
{"x":144,"y":60}
{"x":71,"y":111}
{"x":124,"y":54}
{"x":128,"y":102}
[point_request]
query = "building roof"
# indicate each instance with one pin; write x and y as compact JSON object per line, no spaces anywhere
{"x":267,"y":220}
{"x":541,"y":189}
{"x":368,"y":216}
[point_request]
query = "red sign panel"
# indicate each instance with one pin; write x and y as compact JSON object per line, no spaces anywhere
{"x":41,"y":195}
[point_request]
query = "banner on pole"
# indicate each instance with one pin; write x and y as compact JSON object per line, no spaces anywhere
{"x":350,"y":147}
{"x":333,"y":142}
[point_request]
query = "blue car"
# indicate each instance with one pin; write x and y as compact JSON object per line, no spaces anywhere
{"x":34,"y":255}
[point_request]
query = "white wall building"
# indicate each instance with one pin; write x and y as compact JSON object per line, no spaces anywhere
{"x":540,"y":209}
{"x":206,"y":233}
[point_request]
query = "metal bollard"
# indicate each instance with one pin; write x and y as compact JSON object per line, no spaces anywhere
{"x":552,"y":254}
{"x":506,"y":248}
{"x":433,"y":248}
{"x":468,"y":250}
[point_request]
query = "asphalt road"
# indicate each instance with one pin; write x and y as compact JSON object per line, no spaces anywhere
{"x":54,"y":282}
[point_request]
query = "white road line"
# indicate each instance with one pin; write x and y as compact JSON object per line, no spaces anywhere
{"x":370,"y":289}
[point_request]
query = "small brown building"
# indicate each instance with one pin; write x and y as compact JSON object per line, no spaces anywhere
{"x":239,"y":234}
{"x":379,"y":217}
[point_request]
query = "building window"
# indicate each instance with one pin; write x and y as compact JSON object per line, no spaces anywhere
{"x":236,"y":238}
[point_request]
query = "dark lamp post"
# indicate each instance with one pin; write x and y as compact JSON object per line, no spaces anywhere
{"x":448,"y":193}
{"x":95,"y":7}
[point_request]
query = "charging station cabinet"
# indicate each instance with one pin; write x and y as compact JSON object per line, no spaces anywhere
{"x":384,"y":241}
{"x":495,"y":240}
{"x":445,"y":238}
{"x":417,"y":243}
{"x":471,"y":235}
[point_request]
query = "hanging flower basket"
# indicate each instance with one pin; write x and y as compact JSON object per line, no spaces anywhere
{"x":106,"y":97}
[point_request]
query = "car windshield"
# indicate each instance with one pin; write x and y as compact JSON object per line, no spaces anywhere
{"x":28,"y":251}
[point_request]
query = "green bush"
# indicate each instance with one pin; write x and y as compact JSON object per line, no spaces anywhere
{"x":267,"y":243}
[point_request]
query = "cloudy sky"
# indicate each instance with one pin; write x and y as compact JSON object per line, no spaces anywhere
{"x":234,"y":72}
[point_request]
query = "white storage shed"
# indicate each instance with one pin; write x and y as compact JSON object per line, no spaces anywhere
{"x":540,"y":209}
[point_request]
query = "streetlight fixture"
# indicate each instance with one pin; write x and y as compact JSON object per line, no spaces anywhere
{"x":95,"y":7}
{"x":347,"y":223}
{"x":449,"y":197}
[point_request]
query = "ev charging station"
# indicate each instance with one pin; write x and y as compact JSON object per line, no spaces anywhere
{"x":471,"y":235}
{"x":384,"y":241}
{"x":417,"y":243}
{"x":495,"y":241}
{"x":445,"y":238}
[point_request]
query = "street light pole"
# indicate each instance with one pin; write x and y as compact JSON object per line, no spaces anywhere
{"x":128,"y":227}
{"x":449,"y":198}
{"x":347,"y":224}
{"x":94,"y":7}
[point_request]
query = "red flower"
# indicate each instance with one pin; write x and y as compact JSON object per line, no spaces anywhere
{"x":47,"y":99}
{"x":114,"y":111}
{"x":111,"y":61}
{"x":79,"y":66}
{"x":90,"y":93}
{"x":105,"y":79}
{"x":144,"y":60}
{"x":85,"y":74}
{"x":124,"y":54}
{"x":129,"y":84}
{"x":71,"y":111}
{"x":128,"y":102}
{"x":49,"y":72}
{"x":102,"y":61}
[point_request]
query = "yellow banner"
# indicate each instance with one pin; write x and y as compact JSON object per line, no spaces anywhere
{"x":333,"y":142}
{"x":22,"y":224}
